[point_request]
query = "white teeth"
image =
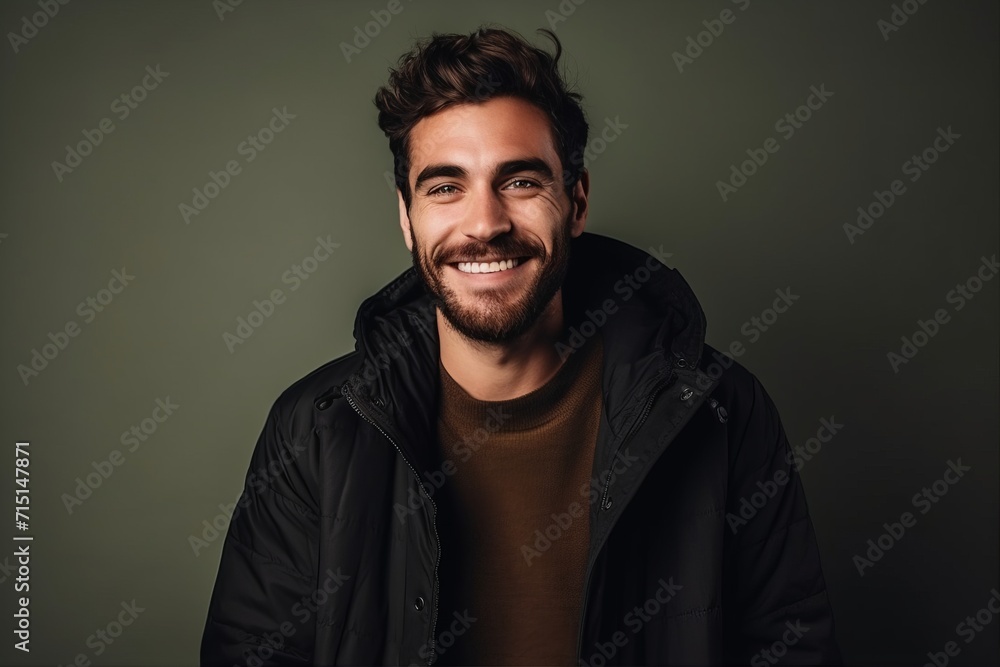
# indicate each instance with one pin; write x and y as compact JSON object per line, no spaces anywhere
{"x":487,"y":267}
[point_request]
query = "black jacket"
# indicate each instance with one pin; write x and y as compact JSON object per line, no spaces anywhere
{"x":332,"y":554}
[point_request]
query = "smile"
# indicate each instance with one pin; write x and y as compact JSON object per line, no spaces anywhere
{"x":488,"y":267}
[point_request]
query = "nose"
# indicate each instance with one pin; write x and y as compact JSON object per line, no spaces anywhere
{"x":486,"y":216}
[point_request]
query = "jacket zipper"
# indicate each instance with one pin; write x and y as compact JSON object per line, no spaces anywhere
{"x":642,"y":417}
{"x":607,"y":488}
{"x":434,"y":605}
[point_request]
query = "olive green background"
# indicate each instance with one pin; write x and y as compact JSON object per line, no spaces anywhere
{"x":655,"y":185}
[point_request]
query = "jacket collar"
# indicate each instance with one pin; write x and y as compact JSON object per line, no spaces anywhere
{"x":651,"y":321}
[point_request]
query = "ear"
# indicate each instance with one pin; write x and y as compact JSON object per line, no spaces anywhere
{"x":578,"y":200}
{"x":404,"y":221}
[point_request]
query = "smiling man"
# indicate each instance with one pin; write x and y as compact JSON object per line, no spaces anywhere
{"x":495,"y":281}
{"x":532,"y":457}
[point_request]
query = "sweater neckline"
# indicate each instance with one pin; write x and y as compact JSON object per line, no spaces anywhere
{"x":520,"y":413}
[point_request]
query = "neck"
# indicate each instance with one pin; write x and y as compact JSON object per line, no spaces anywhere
{"x":501,"y":371}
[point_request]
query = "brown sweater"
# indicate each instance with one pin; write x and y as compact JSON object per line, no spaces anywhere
{"x":516,"y":463}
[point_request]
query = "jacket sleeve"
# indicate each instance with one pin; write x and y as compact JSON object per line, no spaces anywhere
{"x":777,"y":606}
{"x":262,"y":610}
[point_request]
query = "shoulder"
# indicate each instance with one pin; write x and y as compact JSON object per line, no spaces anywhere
{"x":754,"y":423}
{"x":737,"y":386}
{"x":294,"y":409}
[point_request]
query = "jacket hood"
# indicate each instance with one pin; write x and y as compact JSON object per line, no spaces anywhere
{"x":646,"y":312}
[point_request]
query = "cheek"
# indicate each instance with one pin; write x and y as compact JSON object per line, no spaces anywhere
{"x":551,"y":204}
{"x":436,"y":222}
{"x":538,"y":212}
{"x":430,"y":235}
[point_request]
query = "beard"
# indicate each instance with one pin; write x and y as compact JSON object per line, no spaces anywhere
{"x":496,"y":314}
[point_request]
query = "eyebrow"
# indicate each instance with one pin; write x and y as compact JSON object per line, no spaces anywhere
{"x":536,"y":165}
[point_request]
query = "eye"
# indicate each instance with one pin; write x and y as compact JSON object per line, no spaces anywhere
{"x":528,"y":184}
{"x":440,"y":190}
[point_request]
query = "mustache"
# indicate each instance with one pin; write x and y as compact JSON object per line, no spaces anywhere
{"x":492,"y":252}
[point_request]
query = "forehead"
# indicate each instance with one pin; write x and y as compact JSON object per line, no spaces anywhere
{"x":478,"y":135}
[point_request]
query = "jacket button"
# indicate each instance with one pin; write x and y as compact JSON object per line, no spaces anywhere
{"x":418,"y":604}
{"x":687,"y":393}
{"x":324,"y":404}
{"x":681,"y":362}
{"x":723,"y":415}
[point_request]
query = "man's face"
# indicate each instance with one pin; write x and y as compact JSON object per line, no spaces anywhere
{"x":487,"y":190}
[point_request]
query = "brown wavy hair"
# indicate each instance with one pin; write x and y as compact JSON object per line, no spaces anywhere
{"x":448,"y":69}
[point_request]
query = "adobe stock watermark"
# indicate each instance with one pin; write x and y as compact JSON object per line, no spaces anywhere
{"x":303,"y":611}
{"x":463,"y":450}
{"x":223,"y":7}
{"x":757,"y":325}
{"x":88,"y":309}
{"x":249,"y":148}
{"x":634,"y":620}
{"x":132,"y":438}
{"x":595,"y":147}
{"x":447,"y":638}
{"x":381,"y":18}
{"x":960,"y":295}
{"x":752,"y":328}
{"x":787,"y":126}
{"x":914,"y":168}
{"x":779,"y":649}
{"x":561,"y":13}
{"x":7,"y":570}
{"x":262,"y":311}
{"x":122,"y":106}
{"x":968,"y":629}
{"x":768,"y":489}
{"x":923,"y":500}
{"x":30,"y":25}
{"x":900,"y":14}
{"x":626,"y":286}
{"x":104,"y":637}
{"x":544,"y":538}
{"x":259,"y":479}
{"x":713,"y":29}
{"x":422,"y":320}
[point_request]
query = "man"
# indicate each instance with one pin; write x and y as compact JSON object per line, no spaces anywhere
{"x":532,"y":457}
